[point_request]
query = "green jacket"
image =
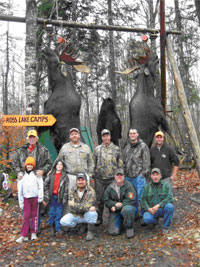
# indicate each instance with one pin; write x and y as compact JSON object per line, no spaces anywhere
{"x":156,"y":194}
{"x":127,"y":195}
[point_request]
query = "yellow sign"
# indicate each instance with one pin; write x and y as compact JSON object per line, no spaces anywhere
{"x":28,"y":120}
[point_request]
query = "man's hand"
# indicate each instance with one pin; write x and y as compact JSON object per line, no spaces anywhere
{"x":155,"y":208}
{"x":150,"y":210}
{"x":92,"y":208}
{"x":44,"y":203}
{"x":20,"y":175}
{"x":39,"y":173}
{"x":173,"y":177}
{"x":118,"y":205}
{"x":113,"y":209}
{"x":71,"y":203}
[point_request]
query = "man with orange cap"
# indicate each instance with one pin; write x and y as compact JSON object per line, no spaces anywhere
{"x":36,"y":150}
{"x":164,"y":157}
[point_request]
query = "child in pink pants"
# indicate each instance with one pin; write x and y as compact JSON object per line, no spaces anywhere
{"x":30,"y":193}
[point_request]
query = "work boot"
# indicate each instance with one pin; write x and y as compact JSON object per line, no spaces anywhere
{"x":82,"y":229}
{"x":53,"y":231}
{"x":129,"y":233}
{"x":165,"y":230}
{"x":60,"y":232}
{"x":90,"y":233}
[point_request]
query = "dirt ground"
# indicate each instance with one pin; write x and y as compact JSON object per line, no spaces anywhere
{"x":149,"y":247}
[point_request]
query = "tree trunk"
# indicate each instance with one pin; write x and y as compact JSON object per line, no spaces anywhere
{"x":5,"y":91}
{"x":183,"y":68}
{"x":197,"y":4}
{"x":30,"y":57}
{"x":184,"y":107}
{"x":112,"y":74}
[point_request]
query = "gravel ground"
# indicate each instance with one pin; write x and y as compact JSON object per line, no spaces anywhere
{"x":149,"y":247}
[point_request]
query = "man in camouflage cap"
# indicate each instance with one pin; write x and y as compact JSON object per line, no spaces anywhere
{"x":136,"y":158}
{"x":107,"y":159}
{"x":82,"y":208}
{"x":77,"y":157}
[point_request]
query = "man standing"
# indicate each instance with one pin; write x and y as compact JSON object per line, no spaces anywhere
{"x":120,"y":198}
{"x":77,"y":157}
{"x":164,"y":157}
{"x":82,"y":208}
{"x":157,"y":201}
{"x":136,"y":159}
{"x":107,"y":159}
{"x":33,"y":149}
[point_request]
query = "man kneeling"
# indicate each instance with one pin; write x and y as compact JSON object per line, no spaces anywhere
{"x":81,"y":202}
{"x":120,"y":198}
{"x":157,"y":201}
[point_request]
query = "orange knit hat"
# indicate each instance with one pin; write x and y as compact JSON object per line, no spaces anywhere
{"x":30,"y":161}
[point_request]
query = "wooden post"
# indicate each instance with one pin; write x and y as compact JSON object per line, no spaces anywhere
{"x":184,"y":107}
{"x":162,"y":55}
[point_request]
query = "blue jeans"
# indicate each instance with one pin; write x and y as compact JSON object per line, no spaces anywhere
{"x":138,"y":183}
{"x":70,"y":220}
{"x":127,"y":214}
{"x":55,"y":213}
{"x":167,"y":212}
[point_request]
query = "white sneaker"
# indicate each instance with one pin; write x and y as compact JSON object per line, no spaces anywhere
{"x":33,"y":236}
{"x":20,"y":239}
{"x":26,"y":238}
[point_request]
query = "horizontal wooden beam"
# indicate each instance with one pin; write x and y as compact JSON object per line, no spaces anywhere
{"x":72,"y":24}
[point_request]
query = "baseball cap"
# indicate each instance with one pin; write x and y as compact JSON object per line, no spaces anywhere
{"x":159,"y":133}
{"x":120,"y":170}
{"x":81,"y":175}
{"x":105,"y":131}
{"x":155,"y":170}
{"x":33,"y":133}
{"x":74,"y":129}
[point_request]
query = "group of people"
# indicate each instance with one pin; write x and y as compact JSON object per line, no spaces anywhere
{"x":122,"y":185}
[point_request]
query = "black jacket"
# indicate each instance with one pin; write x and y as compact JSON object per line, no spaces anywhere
{"x":164,"y":159}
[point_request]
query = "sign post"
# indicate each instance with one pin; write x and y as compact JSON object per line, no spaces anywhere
{"x":28,"y":120}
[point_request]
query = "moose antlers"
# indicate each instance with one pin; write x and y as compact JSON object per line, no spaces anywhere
{"x":67,"y":53}
{"x":141,"y":59}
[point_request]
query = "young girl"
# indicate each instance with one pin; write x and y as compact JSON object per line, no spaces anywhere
{"x":30,"y":193}
{"x":56,"y":193}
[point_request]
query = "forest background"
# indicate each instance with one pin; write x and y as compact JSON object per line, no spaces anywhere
{"x":105,"y":51}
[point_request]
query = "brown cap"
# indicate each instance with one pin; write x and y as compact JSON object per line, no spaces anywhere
{"x":120,"y":170}
{"x":74,"y":129}
{"x":159,"y":133}
{"x":105,"y":131}
{"x":155,"y":170}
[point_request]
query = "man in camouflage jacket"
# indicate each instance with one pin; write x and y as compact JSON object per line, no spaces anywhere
{"x":157,"y":201}
{"x":136,"y":159}
{"x":107,"y":158}
{"x":81,"y":201}
{"x":77,"y":157}
{"x":33,"y":149}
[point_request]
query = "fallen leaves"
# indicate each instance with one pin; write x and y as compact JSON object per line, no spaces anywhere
{"x":147,"y":248}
